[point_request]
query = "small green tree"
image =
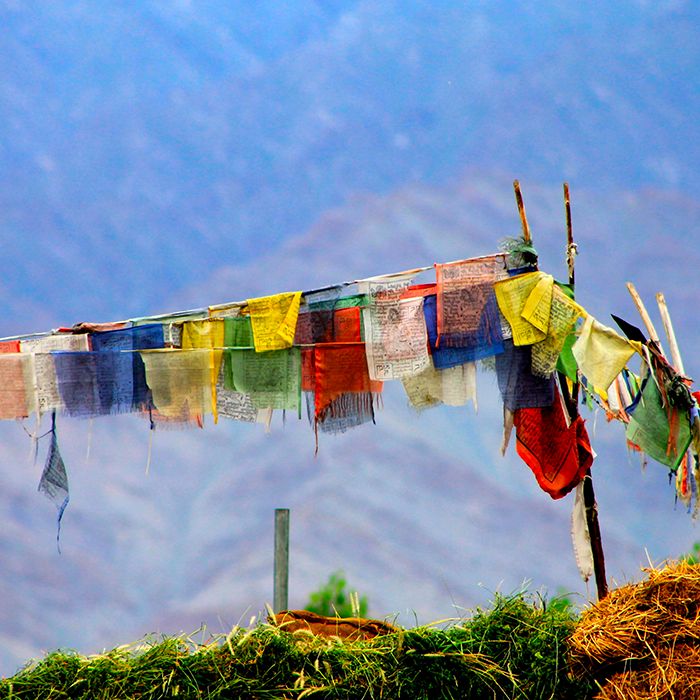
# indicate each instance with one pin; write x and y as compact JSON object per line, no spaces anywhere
{"x":693,"y":557}
{"x":331,"y":599}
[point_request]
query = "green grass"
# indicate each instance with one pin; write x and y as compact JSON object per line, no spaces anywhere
{"x":516,"y":649}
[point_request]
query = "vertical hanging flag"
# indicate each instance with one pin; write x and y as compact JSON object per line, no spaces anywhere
{"x":467,"y":311}
{"x":54,"y":480}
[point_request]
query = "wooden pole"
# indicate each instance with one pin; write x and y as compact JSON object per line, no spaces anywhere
{"x":645,"y":316}
{"x":571,"y":402}
{"x":521,"y":209}
{"x":281,"y":571}
{"x":668,"y":327}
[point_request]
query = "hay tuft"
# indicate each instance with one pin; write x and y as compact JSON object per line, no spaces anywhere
{"x":643,"y":640}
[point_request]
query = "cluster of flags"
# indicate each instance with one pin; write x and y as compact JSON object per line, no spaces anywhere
{"x":328,"y":352}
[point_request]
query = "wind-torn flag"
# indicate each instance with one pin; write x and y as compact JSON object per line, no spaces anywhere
{"x":54,"y":479}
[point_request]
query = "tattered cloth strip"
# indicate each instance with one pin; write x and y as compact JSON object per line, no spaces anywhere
{"x":181,"y":384}
{"x":17,"y":394}
{"x":56,"y":343}
{"x":272,"y":379}
{"x":344,"y":390}
{"x":559,"y":455}
{"x":54,"y":479}
{"x":580,"y":536}
{"x":601,"y":353}
{"x":9,"y":346}
{"x":274,"y":320}
{"x":520,"y":388}
{"x":206,"y":334}
{"x":131,"y":392}
{"x":513,"y":295}
{"x":452,"y":386}
{"x":562,"y":319}
{"x":444,"y":356}
{"x":662,"y":432}
{"x":467,"y":312}
{"x":396,"y":340}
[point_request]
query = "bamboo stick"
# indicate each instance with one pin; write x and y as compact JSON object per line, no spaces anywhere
{"x":668,"y":327}
{"x":521,"y":209}
{"x":645,"y":316}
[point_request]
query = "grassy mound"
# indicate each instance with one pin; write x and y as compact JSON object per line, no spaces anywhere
{"x":518,"y":649}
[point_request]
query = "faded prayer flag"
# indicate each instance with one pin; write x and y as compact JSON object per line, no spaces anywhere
{"x":452,"y":386}
{"x":18,"y":397}
{"x":520,"y":388}
{"x":181,"y":383}
{"x":467,"y":312}
{"x":396,"y":340}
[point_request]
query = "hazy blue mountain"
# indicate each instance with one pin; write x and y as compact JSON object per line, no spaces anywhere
{"x":143,"y":143}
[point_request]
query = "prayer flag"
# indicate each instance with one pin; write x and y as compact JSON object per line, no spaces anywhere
{"x":274,"y":320}
{"x":477,"y":346}
{"x":520,"y":388}
{"x":452,"y":386}
{"x":559,"y":455}
{"x":181,"y":383}
{"x":17,"y":393}
{"x":396,"y":340}
{"x":513,"y":295}
{"x":343,"y":388}
{"x":601,"y":353}
{"x":467,"y":312}
{"x":272,"y":379}
{"x":662,"y":432}
{"x":208,"y":333}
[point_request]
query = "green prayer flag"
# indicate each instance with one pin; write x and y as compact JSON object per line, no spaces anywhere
{"x":650,"y":430}
{"x":272,"y":379}
{"x":566,"y":364}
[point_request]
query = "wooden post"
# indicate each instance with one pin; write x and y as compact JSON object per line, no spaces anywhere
{"x":645,"y":316}
{"x":668,"y":326}
{"x":571,"y":402}
{"x":521,"y":209}
{"x":281,"y":571}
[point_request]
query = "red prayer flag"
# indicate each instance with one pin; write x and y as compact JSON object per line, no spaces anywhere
{"x":559,"y":455}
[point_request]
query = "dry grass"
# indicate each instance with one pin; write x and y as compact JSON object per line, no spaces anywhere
{"x":643,"y":640}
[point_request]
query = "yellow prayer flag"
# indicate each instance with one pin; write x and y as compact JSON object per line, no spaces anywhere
{"x":512,"y":295}
{"x":274,"y":320}
{"x":539,"y":304}
{"x":199,"y":335}
{"x":601,"y":353}
{"x":180,"y":381}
